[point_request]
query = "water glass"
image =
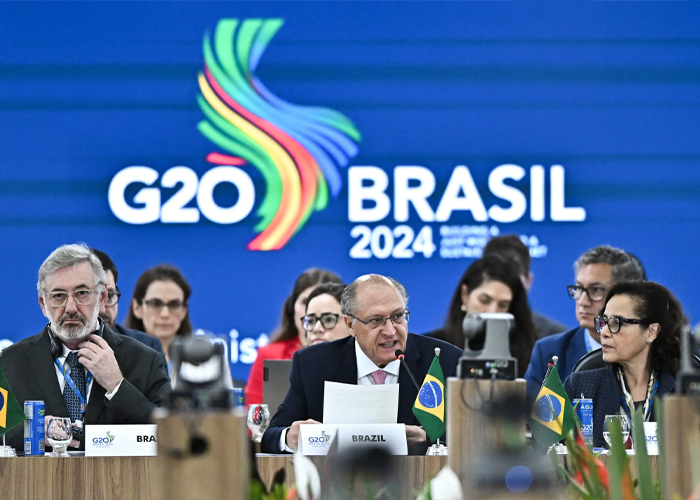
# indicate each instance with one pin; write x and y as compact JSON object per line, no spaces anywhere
{"x":59,"y":434}
{"x":258,"y":420}
{"x":611,"y":420}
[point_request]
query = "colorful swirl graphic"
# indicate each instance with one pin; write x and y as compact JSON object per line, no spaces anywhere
{"x":110,"y":437}
{"x":296,"y":149}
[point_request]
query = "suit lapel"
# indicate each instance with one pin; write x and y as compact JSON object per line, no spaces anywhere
{"x":346,"y":371}
{"x":96,"y":403}
{"x":575,"y":351}
{"x":407,"y":390}
{"x":42,"y":364}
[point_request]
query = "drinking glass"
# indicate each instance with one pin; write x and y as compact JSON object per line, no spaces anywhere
{"x":258,"y":420}
{"x":624,"y":425}
{"x":59,"y":435}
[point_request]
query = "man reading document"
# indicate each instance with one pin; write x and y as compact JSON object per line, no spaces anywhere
{"x":374,"y":309}
{"x":78,"y":366}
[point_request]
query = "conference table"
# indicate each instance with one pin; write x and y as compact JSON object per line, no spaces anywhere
{"x":130,"y":478}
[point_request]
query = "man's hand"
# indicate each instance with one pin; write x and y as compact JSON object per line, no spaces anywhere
{"x":415,"y":434}
{"x":73,"y":444}
{"x":96,"y":355}
{"x":293,"y":433}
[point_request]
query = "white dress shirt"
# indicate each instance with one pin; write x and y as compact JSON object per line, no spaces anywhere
{"x":593,"y":342}
{"x":365,"y":367}
{"x":62,"y":380}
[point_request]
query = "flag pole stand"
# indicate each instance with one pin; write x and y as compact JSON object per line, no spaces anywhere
{"x":437,"y":449}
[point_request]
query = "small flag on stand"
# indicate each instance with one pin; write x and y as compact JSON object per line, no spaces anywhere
{"x":552,"y":416}
{"x":429,"y":407}
{"x":11,"y":413}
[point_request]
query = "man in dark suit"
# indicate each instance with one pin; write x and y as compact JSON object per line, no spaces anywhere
{"x":77,"y":365}
{"x":109,"y":311}
{"x":374,"y":309}
{"x":596,"y":270}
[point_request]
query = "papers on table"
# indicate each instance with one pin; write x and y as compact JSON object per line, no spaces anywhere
{"x":360,"y":404}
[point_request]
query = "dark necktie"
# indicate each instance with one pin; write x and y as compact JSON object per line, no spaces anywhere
{"x":77,"y":373}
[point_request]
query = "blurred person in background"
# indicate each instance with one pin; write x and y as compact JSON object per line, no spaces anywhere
{"x":110,"y":310}
{"x":289,"y":336}
{"x":640,"y":329}
{"x":491,"y":285}
{"x":159,"y":305}
{"x":324,"y":320}
{"x":595,"y":272}
{"x":512,"y":249}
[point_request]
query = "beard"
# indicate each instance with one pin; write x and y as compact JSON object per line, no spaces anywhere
{"x":74,"y":333}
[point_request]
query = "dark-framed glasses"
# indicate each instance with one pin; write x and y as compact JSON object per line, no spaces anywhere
{"x":614,"y":323}
{"x":175,"y":306}
{"x":595,"y":292}
{"x":327,"y":320}
{"x":399,"y":318}
{"x":113,"y":296}
{"x":82,"y":296}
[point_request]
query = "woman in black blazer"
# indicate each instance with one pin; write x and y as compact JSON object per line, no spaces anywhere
{"x":640,"y":328}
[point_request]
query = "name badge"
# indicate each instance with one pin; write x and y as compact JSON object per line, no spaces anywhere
{"x":316,"y":439}
{"x":121,"y":440}
{"x":652,"y":437}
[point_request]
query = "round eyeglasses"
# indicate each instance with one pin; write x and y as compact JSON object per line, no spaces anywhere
{"x":614,"y":323}
{"x":113,"y":296}
{"x":327,"y":320}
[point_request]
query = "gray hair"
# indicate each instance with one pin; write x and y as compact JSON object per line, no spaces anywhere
{"x":349,"y":299}
{"x":625,"y":267}
{"x":70,"y":255}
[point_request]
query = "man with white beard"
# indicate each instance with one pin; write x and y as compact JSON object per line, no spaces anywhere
{"x":78,"y":366}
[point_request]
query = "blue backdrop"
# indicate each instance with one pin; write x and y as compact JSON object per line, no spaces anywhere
{"x":606,"y":93}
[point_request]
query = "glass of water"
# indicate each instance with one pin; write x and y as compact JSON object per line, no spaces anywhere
{"x":258,"y":420}
{"x":611,"y":420}
{"x":59,"y":435}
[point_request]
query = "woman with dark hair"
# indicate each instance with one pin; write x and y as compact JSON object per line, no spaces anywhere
{"x":289,"y":336}
{"x":324,"y":319}
{"x":640,"y":329}
{"x":491,"y":285}
{"x":159,"y":305}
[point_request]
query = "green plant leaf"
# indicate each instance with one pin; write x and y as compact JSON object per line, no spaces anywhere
{"x":618,"y":461}
{"x":646,"y":488}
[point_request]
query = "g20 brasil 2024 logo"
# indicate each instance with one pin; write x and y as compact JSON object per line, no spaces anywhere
{"x":297,"y":149}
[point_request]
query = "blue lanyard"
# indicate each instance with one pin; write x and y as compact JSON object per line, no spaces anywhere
{"x":71,"y":384}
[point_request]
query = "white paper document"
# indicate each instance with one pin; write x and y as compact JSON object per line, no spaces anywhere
{"x":360,"y":404}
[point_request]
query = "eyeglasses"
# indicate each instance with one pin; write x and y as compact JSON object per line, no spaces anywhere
{"x":83,"y":297}
{"x":175,"y":306}
{"x":397,"y":319}
{"x":614,"y":323}
{"x":113,"y":296}
{"x":594,"y":292}
{"x":328,"y":321}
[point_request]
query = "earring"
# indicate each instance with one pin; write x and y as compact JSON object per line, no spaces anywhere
{"x":649,"y":341}
{"x":463,"y":308}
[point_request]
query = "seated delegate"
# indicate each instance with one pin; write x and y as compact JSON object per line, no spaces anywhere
{"x":640,"y":329}
{"x":375,"y":312}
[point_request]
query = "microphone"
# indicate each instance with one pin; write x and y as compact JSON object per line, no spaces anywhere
{"x":400,"y":355}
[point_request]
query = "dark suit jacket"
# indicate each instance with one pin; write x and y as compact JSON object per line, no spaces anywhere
{"x":144,"y":338}
{"x":546,"y":326}
{"x":568,"y":346}
{"x":30,"y":371}
{"x":336,"y":362}
{"x":602,"y":387}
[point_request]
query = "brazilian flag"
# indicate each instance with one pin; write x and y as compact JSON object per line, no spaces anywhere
{"x":429,"y":407}
{"x":11,"y":413}
{"x":552,"y":416}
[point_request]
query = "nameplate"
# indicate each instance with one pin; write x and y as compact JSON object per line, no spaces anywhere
{"x":316,"y":439}
{"x":121,"y":440}
{"x":652,"y":437}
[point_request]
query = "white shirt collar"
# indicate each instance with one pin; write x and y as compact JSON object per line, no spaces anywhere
{"x":365,"y":366}
{"x":593,"y":342}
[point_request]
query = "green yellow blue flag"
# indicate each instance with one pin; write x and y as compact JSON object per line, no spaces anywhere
{"x":11,"y":413}
{"x":429,"y":407}
{"x":552,"y":416}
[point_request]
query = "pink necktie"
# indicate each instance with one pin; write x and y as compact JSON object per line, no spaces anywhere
{"x":379,"y":377}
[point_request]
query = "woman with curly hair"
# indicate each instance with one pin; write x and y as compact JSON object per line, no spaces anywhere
{"x":640,"y":328}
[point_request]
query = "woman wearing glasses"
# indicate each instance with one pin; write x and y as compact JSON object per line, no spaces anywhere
{"x":640,"y":328}
{"x":159,"y":305}
{"x":324,"y":320}
{"x":289,"y":336}
{"x":491,"y":285}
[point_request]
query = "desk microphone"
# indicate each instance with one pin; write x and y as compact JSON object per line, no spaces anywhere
{"x":400,"y":355}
